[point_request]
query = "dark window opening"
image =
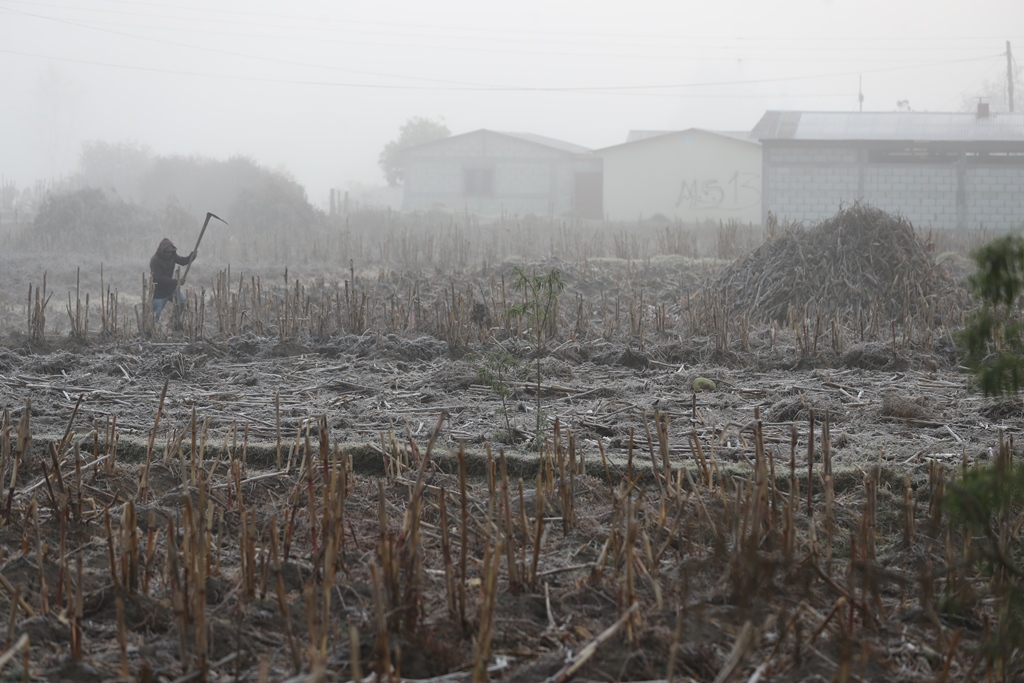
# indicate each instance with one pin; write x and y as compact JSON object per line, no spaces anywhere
{"x":911,"y":155}
{"x":933,"y":156}
{"x":995,"y":159}
{"x":479,"y":182}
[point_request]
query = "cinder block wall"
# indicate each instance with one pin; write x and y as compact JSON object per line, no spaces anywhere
{"x":809,"y":183}
{"x":995,"y":197}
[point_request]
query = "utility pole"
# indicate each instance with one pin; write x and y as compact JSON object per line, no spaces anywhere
{"x":860,"y":93}
{"x":1009,"y":75}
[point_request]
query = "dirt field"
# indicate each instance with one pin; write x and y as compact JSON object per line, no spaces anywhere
{"x":248,"y":499}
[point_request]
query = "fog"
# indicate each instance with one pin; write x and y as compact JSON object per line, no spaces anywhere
{"x":317,"y":88}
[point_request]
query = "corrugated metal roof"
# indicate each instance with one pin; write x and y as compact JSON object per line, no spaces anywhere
{"x":547,"y":142}
{"x":890,"y":126}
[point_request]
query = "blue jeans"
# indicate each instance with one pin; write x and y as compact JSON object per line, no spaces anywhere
{"x":158,"y":304}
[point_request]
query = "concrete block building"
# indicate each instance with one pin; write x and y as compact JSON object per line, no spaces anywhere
{"x":941,"y":170}
{"x":690,"y":175}
{"x":490,"y":173}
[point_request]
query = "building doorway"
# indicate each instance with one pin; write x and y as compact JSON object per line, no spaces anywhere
{"x":589,"y":197}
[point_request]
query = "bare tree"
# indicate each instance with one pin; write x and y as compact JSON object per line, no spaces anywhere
{"x":991,"y":90}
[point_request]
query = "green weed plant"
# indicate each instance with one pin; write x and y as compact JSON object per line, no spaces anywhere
{"x":539,"y":310}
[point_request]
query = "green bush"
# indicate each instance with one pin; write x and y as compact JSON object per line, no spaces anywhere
{"x":994,"y":336}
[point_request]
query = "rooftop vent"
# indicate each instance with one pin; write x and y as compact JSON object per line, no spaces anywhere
{"x":982,"y":110}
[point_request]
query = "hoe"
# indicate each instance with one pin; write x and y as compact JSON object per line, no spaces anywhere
{"x":201,"y":233}
{"x":198,"y":241}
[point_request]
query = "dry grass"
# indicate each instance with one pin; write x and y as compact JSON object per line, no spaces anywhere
{"x":713,"y":555}
{"x":192,"y":564}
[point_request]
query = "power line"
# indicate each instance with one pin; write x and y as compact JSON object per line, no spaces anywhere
{"x":456,"y":48}
{"x":463,"y":84}
{"x":742,"y":41}
{"x":238,"y":54}
{"x":703,"y":57}
{"x":619,"y":89}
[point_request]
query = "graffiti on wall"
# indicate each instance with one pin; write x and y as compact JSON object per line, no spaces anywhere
{"x":741,"y":191}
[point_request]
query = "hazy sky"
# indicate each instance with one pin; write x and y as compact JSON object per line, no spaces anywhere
{"x":318,"y":87}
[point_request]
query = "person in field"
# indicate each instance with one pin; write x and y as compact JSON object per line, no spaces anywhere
{"x":166,"y":287}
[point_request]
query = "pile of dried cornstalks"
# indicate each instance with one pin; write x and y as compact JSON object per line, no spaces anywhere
{"x":859,"y":259}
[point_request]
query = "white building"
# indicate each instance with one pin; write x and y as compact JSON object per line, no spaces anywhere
{"x":941,"y":170}
{"x":690,"y":175}
{"x":490,"y":173}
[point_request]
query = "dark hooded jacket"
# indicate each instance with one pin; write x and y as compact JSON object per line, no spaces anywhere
{"x":162,"y":267}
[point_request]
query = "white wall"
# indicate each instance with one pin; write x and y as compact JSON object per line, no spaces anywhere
{"x":691,"y":175}
{"x":528,"y":178}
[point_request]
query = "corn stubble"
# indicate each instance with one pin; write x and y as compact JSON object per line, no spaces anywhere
{"x":468,"y":566}
{"x":425,"y":571}
{"x":440,"y":279}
